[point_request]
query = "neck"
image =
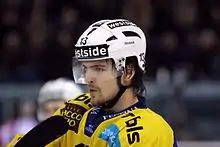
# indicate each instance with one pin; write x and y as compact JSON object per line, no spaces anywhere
{"x":127,"y":99}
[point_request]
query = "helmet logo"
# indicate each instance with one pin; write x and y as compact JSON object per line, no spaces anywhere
{"x":88,"y":52}
{"x":142,"y":59}
{"x":83,"y":40}
{"x":116,"y":24}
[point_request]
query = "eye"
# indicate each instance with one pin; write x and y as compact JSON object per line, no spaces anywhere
{"x":84,"y":69}
{"x":97,"y":68}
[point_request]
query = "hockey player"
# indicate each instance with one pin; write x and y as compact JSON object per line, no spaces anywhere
{"x":110,"y":59}
{"x":111,"y":55}
{"x":53,"y":94}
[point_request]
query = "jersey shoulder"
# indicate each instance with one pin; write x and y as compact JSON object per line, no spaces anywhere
{"x":144,"y":127}
{"x":74,"y":109}
{"x":82,"y":100}
{"x":153,"y":120}
{"x":147,"y":123}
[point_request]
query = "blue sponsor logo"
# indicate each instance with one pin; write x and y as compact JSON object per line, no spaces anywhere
{"x":110,"y":134}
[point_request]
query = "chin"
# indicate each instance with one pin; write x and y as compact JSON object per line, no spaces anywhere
{"x":96,"y":102}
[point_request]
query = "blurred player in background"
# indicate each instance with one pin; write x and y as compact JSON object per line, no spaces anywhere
{"x":53,"y":94}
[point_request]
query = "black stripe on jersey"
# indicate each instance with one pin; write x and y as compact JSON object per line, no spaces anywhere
{"x":134,"y":129}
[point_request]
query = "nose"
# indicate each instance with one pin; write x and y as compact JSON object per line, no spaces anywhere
{"x":89,"y":78}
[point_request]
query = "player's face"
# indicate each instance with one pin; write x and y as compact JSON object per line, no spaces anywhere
{"x":101,"y":78}
{"x":51,"y":106}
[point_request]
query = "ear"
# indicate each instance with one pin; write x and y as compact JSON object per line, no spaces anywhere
{"x":129,"y":73}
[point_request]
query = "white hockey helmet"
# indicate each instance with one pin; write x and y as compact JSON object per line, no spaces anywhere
{"x":109,"y":39}
{"x":58,"y":89}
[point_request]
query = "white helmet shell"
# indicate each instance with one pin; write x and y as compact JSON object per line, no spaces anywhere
{"x":111,"y":39}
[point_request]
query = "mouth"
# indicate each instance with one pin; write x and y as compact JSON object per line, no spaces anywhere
{"x":93,"y":90}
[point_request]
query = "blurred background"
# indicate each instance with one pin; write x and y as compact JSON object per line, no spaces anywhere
{"x":183,"y":71}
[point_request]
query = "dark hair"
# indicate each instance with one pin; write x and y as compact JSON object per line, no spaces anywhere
{"x":137,"y":80}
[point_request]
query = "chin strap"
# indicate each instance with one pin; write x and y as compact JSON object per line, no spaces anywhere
{"x":113,"y":101}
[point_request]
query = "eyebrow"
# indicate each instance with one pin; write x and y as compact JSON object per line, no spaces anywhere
{"x":97,"y":65}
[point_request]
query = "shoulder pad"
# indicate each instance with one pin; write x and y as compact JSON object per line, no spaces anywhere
{"x":74,"y":109}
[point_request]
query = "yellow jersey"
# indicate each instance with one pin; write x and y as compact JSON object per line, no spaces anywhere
{"x":72,"y":111}
{"x":136,"y":126}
